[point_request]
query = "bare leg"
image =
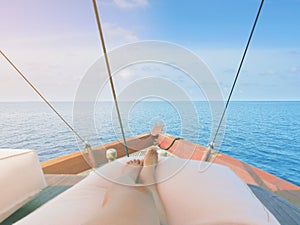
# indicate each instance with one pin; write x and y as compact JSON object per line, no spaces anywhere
{"x":127,"y":204}
{"x":147,"y":177}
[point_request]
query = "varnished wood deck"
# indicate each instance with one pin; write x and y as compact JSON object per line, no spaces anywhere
{"x":285,"y":212}
{"x":63,"y":180}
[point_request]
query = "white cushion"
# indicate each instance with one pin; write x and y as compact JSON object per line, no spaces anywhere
{"x":191,"y":197}
{"x":21,"y":178}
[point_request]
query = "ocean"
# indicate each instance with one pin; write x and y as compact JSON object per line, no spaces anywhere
{"x":263,"y":134}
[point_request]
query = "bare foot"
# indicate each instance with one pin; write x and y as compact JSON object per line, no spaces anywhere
{"x":150,"y":161}
{"x":133,"y":168}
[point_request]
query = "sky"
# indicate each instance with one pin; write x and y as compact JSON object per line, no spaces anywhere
{"x":55,"y":42}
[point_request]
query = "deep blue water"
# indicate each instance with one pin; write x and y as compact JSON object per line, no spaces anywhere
{"x":264,"y":134}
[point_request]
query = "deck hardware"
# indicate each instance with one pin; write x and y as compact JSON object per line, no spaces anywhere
{"x":111,"y":154}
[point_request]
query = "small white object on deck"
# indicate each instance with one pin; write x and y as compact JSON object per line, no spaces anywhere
{"x":162,"y":152}
{"x":111,"y":154}
{"x":21,"y":179}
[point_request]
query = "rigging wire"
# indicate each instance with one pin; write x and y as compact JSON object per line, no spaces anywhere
{"x":237,"y":74}
{"x":87,"y":145}
{"x":109,"y":75}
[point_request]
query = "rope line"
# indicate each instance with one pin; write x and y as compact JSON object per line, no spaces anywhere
{"x":44,"y":99}
{"x":109,"y":74}
{"x":174,"y":140}
{"x":238,"y":71}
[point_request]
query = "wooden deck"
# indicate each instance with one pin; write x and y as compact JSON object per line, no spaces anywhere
{"x":63,"y":180}
{"x":285,"y":212}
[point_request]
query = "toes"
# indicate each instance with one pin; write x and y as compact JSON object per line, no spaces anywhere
{"x":140,"y":162}
{"x":136,"y":162}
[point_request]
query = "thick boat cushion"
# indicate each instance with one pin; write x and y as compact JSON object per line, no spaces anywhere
{"x":21,"y":178}
{"x":193,"y":193}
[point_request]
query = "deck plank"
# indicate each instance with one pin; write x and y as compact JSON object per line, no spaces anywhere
{"x":292,"y":196}
{"x":285,"y":212}
{"x":63,"y":179}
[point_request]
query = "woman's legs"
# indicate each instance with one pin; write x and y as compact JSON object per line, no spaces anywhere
{"x":147,"y":177}
{"x":133,"y":205}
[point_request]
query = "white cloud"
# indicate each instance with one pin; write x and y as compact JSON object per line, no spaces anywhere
{"x":54,"y":64}
{"x":126,"y":74}
{"x":117,"y":35}
{"x":131,"y":3}
{"x":264,"y":74}
{"x":54,"y":70}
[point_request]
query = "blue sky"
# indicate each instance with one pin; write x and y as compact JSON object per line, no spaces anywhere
{"x":54,"y":42}
{"x":227,"y":23}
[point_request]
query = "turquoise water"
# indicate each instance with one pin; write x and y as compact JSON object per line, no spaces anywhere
{"x":264,"y":134}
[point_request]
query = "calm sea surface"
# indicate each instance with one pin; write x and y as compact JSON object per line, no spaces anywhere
{"x":264,"y":134}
